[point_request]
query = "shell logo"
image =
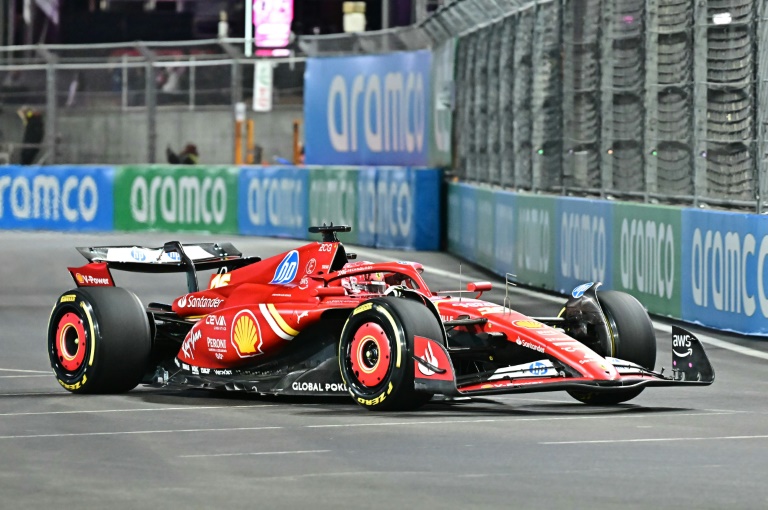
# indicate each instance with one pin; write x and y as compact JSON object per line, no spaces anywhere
{"x":528,"y":324}
{"x":79,"y":278}
{"x":246,"y":335}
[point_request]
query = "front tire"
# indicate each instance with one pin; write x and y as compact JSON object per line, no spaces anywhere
{"x":631,"y":339}
{"x":376,"y":352}
{"x":99,"y":340}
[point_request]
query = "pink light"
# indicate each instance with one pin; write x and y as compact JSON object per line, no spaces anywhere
{"x":272,"y":22}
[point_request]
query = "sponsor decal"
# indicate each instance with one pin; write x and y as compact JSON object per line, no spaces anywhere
{"x":195,"y":370}
{"x":681,"y":342}
{"x":362,"y":308}
{"x":138,"y":255}
{"x":188,"y":347}
{"x":246,"y":335}
{"x":581,"y":289}
{"x":216,"y":344}
{"x":287,"y":269}
{"x":303,"y":283}
{"x":529,"y":345}
{"x":69,"y":298}
{"x":73,"y":387}
{"x":205,"y":371}
{"x":537,"y":368}
{"x":86,"y":279}
{"x":528,"y":324}
{"x":189,"y":301}
{"x":300,"y":316}
{"x":319,"y":387}
{"x":430,"y":358}
{"x":311,"y":265}
{"x":184,"y":366}
{"x":222,"y":372}
{"x":217,"y":321}
{"x":219,"y":280}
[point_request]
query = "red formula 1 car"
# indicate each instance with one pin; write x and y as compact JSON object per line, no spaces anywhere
{"x":310,"y":322}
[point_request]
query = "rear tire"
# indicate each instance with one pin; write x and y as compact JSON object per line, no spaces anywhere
{"x":376,"y":352}
{"x":99,"y":340}
{"x":632,"y":339}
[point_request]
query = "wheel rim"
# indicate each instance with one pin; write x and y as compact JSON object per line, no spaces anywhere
{"x":70,"y":343}
{"x":370,"y":355}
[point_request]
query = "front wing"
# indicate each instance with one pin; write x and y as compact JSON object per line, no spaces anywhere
{"x":690,"y":366}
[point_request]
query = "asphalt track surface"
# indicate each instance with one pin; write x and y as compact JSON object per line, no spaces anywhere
{"x":702,"y":448}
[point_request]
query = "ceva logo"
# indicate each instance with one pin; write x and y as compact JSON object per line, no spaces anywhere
{"x":286,"y":271}
{"x":46,"y":197}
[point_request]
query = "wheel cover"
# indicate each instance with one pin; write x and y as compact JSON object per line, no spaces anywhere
{"x":70,"y":345}
{"x":370,"y":355}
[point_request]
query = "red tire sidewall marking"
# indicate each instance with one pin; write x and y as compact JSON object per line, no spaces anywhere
{"x":367,"y":334}
{"x":70,"y":361}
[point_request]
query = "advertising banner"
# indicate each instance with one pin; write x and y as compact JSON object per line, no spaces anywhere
{"x":462,"y":221}
{"x":368,"y":110}
{"x":584,"y":252}
{"x":272,"y":201}
{"x":485,"y":226}
{"x":56,"y":197}
{"x":176,"y":198}
{"x":504,"y":233}
{"x":333,"y":197}
{"x":535,"y":240}
{"x":442,"y":95}
{"x":647,"y":256}
{"x":724,"y":276}
{"x":407,"y":208}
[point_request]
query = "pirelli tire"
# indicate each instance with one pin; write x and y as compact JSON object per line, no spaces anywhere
{"x":99,"y":340}
{"x":376,"y":352}
{"x":631,"y":338}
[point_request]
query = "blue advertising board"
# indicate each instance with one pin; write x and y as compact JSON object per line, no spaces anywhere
{"x":584,"y":250}
{"x":407,"y":209}
{"x":504,"y":233}
{"x":56,"y":198}
{"x":272,"y":201}
{"x":462,"y":221}
{"x":724,"y":272}
{"x":368,"y":110}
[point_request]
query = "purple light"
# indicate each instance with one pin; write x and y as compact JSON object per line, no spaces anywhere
{"x":690,"y":365}
{"x":272,"y":22}
{"x":628,"y":19}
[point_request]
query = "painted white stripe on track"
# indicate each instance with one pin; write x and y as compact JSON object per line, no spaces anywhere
{"x":723,"y":344}
{"x":139,"y":410}
{"x":297,"y":452}
{"x":652,"y":440}
{"x":632,"y":416}
{"x":136,"y":432}
{"x":23,"y":376}
{"x":26,"y":371}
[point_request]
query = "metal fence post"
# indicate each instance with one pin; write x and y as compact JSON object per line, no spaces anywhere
{"x":699,"y":100}
{"x":606,"y":98}
{"x":650,"y":136}
{"x":761,"y":109}
{"x":150,"y":98}
{"x":51,"y":121}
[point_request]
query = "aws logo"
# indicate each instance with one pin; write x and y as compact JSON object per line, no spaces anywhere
{"x":246,"y":335}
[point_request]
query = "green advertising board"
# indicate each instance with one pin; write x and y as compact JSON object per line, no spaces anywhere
{"x":535,"y":240}
{"x":486,"y":225}
{"x":333,"y":198}
{"x":442,"y":93}
{"x":176,"y":198}
{"x":647,"y":246}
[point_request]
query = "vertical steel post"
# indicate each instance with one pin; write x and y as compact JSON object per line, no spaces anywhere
{"x":150,"y":98}
{"x":650,"y":137}
{"x":699,"y":100}
{"x":606,"y":98}
{"x":51,"y":119}
{"x":761,"y":109}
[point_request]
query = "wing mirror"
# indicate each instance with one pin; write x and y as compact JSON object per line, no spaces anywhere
{"x":479,"y":287}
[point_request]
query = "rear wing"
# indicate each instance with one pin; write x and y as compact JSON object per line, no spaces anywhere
{"x":173,"y":257}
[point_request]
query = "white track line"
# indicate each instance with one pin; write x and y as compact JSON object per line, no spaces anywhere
{"x":139,"y":410}
{"x":723,"y":344}
{"x":23,"y":376}
{"x":632,"y":416}
{"x":297,"y":452}
{"x":136,"y":432}
{"x":652,"y":440}
{"x":25,"y":371}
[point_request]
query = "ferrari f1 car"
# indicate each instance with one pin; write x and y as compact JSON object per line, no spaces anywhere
{"x":314,"y":321}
